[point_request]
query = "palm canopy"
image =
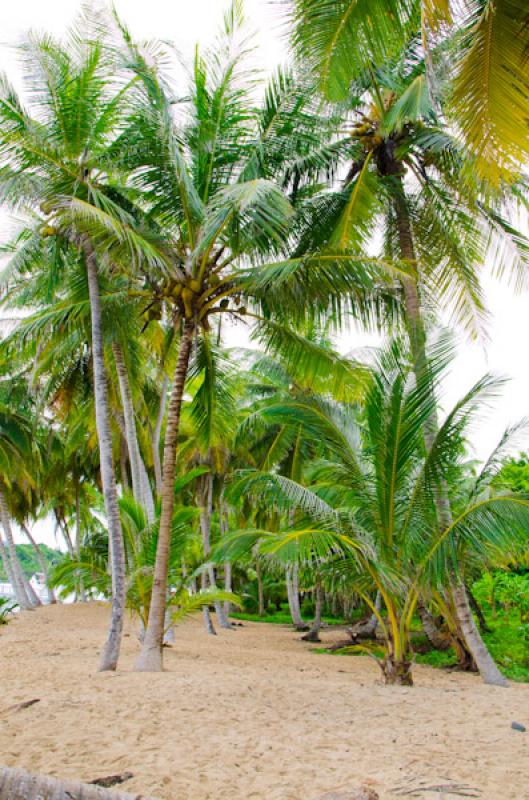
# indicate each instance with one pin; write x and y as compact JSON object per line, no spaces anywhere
{"x":53,"y":152}
{"x":484,"y":41}
{"x":369,"y":513}
{"x":408,"y":173}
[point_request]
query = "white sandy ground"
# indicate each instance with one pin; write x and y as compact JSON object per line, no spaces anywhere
{"x":252,"y":714}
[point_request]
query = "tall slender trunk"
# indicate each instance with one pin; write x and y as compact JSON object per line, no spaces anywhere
{"x":260,"y":590}
{"x":150,"y":659}
{"x":110,"y":654}
{"x":223,"y":524}
{"x":227,"y":586}
{"x":206,"y":512}
{"x":416,"y":331}
{"x":78,"y":537}
{"x":123,"y":456}
{"x":157,"y":433}
{"x":63,"y":527}
{"x":292,"y":584}
{"x":140,"y":483}
{"x":313,"y":634}
{"x":18,"y":582}
{"x":477,"y":610}
{"x":6,"y":563}
{"x":42,"y":563}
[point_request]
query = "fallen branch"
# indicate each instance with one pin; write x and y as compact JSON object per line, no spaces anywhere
{"x":18,"y":707}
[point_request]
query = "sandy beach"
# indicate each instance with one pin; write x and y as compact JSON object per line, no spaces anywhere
{"x":249,"y":715}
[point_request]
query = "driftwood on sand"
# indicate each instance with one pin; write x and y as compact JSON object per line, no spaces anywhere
{"x":17,"y":784}
{"x":6,"y":712}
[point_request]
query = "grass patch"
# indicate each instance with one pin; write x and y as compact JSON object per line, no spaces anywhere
{"x":280,"y":618}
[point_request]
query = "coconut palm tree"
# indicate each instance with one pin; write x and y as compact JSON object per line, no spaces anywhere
{"x":480,"y":45}
{"x":370,"y":515}
{"x":52,"y":171}
{"x":409,"y":173}
{"x":223,"y":193}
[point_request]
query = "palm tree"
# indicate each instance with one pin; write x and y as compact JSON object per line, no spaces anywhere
{"x":408,"y":171}
{"x":52,"y":168}
{"x":482,"y":46}
{"x":219,"y":190}
{"x":370,"y":515}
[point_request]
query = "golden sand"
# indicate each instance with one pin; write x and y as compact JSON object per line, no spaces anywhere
{"x":252,"y":714}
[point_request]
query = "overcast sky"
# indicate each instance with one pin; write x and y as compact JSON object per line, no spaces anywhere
{"x":187,"y":21}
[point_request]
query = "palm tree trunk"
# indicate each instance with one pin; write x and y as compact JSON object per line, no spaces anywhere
{"x":206,"y":512}
{"x":292,"y":584}
{"x":157,"y":433}
{"x":8,"y":569}
{"x":227,"y":586}
{"x":260,"y":590}
{"x":42,"y":563}
{"x":476,"y":608}
{"x":63,"y":527}
{"x":150,"y":659}
{"x":412,"y":304}
{"x":140,"y":483}
{"x":22,"y":595}
{"x":123,"y":456}
{"x":370,"y":628}
{"x":206,"y":500}
{"x":436,"y":637}
{"x":313,"y":634}
{"x":110,"y":654}
{"x":78,"y":537}
{"x":223,"y":525}
{"x":17,"y":784}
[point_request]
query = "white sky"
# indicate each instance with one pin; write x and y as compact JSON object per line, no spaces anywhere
{"x":187,"y":21}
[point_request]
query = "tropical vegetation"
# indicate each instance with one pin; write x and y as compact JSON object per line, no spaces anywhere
{"x":367,"y":185}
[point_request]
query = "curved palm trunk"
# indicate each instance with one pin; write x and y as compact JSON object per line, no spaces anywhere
{"x":140,"y":482}
{"x":484,"y":661}
{"x":42,"y":563}
{"x":150,"y":659}
{"x":110,"y":654}
{"x":17,"y":784}
{"x":157,"y":433}
{"x":292,"y":584}
{"x":314,"y":633}
{"x":17,"y":577}
{"x":436,"y":637}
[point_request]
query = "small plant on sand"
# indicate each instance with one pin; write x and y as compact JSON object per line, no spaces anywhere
{"x":6,"y":609}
